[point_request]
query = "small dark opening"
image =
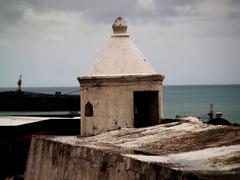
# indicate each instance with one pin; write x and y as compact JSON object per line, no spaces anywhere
{"x":88,"y":109}
{"x":146,"y":108}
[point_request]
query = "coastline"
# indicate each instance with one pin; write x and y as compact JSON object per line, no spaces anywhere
{"x":183,"y":100}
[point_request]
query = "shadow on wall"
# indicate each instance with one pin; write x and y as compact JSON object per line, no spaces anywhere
{"x":15,"y":142}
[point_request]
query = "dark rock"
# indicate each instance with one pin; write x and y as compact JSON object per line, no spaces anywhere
{"x":219,"y":121}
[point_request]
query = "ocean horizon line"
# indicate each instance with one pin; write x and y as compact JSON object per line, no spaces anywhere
{"x":79,"y":86}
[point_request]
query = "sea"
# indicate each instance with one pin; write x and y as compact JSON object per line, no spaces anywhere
{"x":187,"y":100}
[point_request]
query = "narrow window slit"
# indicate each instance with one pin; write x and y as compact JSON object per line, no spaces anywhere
{"x":88,"y":109}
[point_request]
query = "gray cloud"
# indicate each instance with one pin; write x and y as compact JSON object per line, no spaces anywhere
{"x":10,"y":12}
{"x":102,"y":11}
{"x":106,"y":11}
{"x":177,"y":8}
{"x":235,"y":2}
{"x":36,"y":35}
{"x":98,"y":11}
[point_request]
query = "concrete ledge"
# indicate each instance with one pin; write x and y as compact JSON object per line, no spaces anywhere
{"x":121,"y":78}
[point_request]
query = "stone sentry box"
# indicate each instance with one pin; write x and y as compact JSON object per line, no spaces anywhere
{"x":121,"y":89}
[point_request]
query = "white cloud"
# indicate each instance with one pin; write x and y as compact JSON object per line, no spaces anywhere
{"x":146,"y":4}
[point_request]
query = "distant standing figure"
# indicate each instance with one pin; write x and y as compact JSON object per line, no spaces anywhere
{"x":210,"y":114}
{"x":19,"y":83}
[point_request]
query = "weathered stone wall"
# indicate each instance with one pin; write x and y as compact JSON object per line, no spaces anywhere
{"x":113,"y":104}
{"x":50,"y":160}
{"x":178,"y":150}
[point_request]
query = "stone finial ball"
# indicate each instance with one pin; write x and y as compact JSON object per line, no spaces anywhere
{"x":119,"y":26}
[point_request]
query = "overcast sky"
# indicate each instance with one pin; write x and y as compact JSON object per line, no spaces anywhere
{"x":51,"y":42}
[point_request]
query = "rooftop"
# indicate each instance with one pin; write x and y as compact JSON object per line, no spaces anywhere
{"x":185,"y":146}
{"x":120,"y":56}
{"x":21,"y":120}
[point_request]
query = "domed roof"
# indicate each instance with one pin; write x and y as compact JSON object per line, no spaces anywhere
{"x":120,"y":56}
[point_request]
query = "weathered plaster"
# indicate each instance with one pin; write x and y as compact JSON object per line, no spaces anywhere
{"x":112,"y":101}
{"x":120,"y":56}
{"x":179,"y":150}
{"x":120,"y":69}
